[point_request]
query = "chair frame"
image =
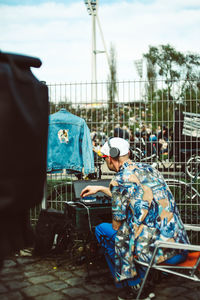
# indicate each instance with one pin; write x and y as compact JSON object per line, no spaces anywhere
{"x":172,"y":269}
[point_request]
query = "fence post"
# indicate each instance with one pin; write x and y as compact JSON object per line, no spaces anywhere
{"x":44,"y":202}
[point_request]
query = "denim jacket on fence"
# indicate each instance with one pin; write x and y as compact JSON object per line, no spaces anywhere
{"x":69,"y":143}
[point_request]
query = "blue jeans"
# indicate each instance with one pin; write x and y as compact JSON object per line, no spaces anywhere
{"x":105,"y":235}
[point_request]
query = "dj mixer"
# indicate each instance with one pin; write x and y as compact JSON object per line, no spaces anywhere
{"x":85,"y":213}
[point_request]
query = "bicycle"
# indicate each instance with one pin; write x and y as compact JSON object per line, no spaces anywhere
{"x":147,"y":152}
{"x":187,"y":199}
{"x":193,"y":167}
{"x":183,"y":190}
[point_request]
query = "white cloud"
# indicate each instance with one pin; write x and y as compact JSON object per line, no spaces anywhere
{"x":60,"y":34}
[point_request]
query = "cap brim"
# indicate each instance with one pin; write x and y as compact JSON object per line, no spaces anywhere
{"x":100,"y":154}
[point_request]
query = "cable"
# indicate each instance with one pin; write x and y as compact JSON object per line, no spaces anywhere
{"x":88,"y":213}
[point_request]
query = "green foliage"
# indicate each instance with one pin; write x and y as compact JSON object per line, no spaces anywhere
{"x":171,"y":65}
{"x":160,"y":111}
{"x":167,"y":60}
{"x":178,"y":89}
{"x":151,"y":75}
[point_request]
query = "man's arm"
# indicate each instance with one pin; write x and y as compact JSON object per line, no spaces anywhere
{"x":93,"y":189}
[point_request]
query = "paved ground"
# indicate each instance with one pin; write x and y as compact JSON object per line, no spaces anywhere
{"x":55,"y":278}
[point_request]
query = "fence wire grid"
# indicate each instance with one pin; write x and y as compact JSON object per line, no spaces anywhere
{"x":161,"y":120}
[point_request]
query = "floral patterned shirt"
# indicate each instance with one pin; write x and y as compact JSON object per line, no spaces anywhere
{"x":144,"y":204}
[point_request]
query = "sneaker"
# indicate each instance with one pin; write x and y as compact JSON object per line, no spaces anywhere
{"x":131,"y":292}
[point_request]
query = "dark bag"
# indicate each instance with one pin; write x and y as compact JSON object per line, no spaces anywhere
{"x":51,"y":223}
{"x":23,"y":136}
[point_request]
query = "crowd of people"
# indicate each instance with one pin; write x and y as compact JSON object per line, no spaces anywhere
{"x":144,"y":138}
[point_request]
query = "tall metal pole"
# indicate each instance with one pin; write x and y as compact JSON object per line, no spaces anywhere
{"x":92,"y":8}
{"x":94,"y":60}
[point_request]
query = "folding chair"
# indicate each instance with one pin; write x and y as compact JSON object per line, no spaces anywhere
{"x":187,"y":269}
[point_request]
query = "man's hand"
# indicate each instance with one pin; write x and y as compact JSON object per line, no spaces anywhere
{"x":93,"y":189}
{"x":116,"y":224}
{"x":89,"y":190}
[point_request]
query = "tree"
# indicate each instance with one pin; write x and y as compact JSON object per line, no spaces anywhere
{"x":112,"y":87}
{"x":171,"y":65}
{"x":112,"y":77}
{"x":151,"y":76}
{"x":191,"y":84}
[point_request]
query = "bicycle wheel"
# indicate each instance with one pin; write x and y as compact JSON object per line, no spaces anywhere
{"x":187,"y":199}
{"x":193,"y":167}
{"x":183,"y":192}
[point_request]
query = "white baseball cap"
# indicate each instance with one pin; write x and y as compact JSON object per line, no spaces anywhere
{"x":118,"y":143}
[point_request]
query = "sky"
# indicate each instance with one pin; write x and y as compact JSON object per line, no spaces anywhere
{"x":60,"y":34}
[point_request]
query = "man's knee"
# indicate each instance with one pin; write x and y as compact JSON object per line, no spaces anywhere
{"x":99,"y":230}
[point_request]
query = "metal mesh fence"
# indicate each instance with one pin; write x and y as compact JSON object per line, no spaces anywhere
{"x":160,"y":120}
